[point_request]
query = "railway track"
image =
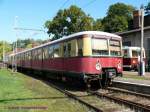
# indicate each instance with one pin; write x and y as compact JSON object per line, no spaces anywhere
{"x":137,"y":107}
{"x":91,"y":100}
{"x":128,"y":92}
{"x":133,"y":105}
{"x":77,"y":98}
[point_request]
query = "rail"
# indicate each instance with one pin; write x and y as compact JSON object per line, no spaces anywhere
{"x":133,"y":105}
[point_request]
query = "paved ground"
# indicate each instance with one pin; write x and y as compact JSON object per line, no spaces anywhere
{"x":147,"y":74}
{"x":133,"y":77}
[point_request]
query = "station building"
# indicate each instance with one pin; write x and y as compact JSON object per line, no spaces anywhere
{"x":133,"y":36}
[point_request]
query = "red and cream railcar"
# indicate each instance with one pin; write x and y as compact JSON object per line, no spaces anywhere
{"x":88,"y":55}
{"x":131,"y":57}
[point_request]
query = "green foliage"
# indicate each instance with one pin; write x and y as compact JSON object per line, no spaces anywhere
{"x":115,"y":24}
{"x":97,"y":25}
{"x":73,"y":20}
{"x":27,"y":43}
{"x":7,"y":48}
{"x":121,"y":9}
{"x":147,"y":9}
{"x":69,"y":21}
{"x":117,"y":18}
{"x":29,"y":46}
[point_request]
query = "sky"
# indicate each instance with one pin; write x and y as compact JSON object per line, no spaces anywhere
{"x":32,"y":14}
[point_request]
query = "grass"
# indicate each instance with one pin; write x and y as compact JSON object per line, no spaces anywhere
{"x":21,"y":93}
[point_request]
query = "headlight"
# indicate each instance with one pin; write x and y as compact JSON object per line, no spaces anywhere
{"x":133,"y":61}
{"x":98,"y":65}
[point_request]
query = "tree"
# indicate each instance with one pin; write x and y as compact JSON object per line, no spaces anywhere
{"x":147,"y":9}
{"x":97,"y":25}
{"x":27,"y":43}
{"x":117,"y":18}
{"x":69,"y":21}
{"x":7,"y":47}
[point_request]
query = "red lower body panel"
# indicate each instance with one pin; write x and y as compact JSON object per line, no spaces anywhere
{"x":85,"y":65}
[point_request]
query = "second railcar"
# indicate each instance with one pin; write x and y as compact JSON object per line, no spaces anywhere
{"x":131,"y":57}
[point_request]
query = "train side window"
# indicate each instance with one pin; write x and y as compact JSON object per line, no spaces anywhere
{"x":56,"y":51}
{"x":65,"y":50}
{"x":125,"y":53}
{"x":36,"y":54}
{"x":22,"y":58}
{"x":40,"y":54}
{"x":27,"y":55}
{"x":74,"y":48}
{"x":135,"y":53}
{"x":50,"y":51}
{"x":69,"y":49}
{"x":30,"y":55}
{"x":45,"y":53}
{"x":80,"y":47}
{"x":33,"y":55}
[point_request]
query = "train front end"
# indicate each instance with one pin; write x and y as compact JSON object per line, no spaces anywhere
{"x":102,"y":57}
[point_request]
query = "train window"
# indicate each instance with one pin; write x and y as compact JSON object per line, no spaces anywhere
{"x":125,"y":53}
{"x":56,"y":51}
{"x":65,"y":50}
{"x":39,"y":53}
{"x":26,"y":56}
{"x":69,"y":49}
{"x":80,"y":47}
{"x":135,"y":53}
{"x":35,"y":53}
{"x":115,"y":48}
{"x":73,"y":48}
{"x":30,"y":55}
{"x":45,"y":53}
{"x":50,"y":51}
{"x":99,"y":47}
{"x":22,"y":57}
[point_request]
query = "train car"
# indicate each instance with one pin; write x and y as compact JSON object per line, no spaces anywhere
{"x":131,"y":56}
{"x":84,"y":56}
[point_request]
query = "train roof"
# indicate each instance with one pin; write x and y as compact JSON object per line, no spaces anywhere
{"x":73,"y":36}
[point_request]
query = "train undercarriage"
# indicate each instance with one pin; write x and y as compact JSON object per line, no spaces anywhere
{"x":103,"y":80}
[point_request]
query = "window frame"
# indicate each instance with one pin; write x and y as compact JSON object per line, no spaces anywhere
{"x":107,"y":50}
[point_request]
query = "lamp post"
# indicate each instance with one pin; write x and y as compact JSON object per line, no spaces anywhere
{"x":142,"y":63}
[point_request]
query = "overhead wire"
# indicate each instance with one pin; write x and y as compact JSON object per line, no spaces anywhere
{"x":64,"y":4}
{"x":89,"y":3}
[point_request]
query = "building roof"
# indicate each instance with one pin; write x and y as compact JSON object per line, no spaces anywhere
{"x":132,"y":31}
